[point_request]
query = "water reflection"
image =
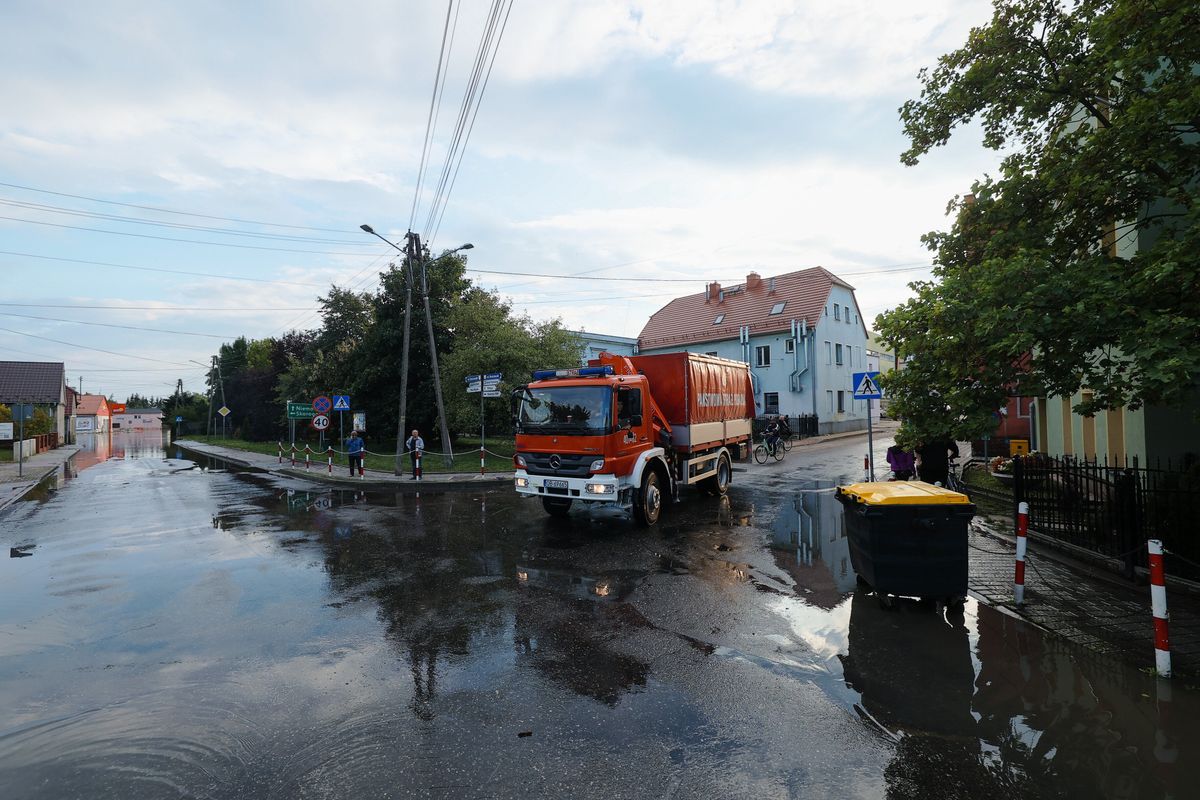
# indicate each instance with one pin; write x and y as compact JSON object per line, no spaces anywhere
{"x":810,"y":544}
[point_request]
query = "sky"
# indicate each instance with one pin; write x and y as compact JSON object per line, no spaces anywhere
{"x":221,"y":156}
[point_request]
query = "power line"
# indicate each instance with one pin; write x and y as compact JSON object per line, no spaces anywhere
{"x":176,"y":239}
{"x":96,"y":349}
{"x":159,"y":269}
{"x":152,"y":308}
{"x":281,"y":237}
{"x":161,"y":210}
{"x":429,"y":123}
{"x":113,"y":325}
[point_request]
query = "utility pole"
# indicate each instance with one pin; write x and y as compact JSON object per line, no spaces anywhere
{"x":414,"y":244}
{"x":401,"y":421}
{"x":221,"y":378}
{"x":212,"y":391}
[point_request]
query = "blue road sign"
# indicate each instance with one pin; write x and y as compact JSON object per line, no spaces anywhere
{"x":493,"y":376}
{"x":472,"y":379}
{"x":321,"y":404}
{"x":866,"y":386}
{"x":179,"y":419}
{"x":341,"y":402}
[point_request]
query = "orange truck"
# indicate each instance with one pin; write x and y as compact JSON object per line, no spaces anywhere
{"x":631,"y":430}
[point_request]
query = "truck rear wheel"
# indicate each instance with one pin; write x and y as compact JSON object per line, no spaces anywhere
{"x":647,"y":504}
{"x":556,"y":507}
{"x":718,"y":484}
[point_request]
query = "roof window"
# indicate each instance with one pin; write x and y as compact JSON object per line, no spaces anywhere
{"x":720,"y":318}
{"x":778,"y":308}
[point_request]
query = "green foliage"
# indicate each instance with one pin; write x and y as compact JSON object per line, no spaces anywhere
{"x":5,"y":413}
{"x":41,"y":422}
{"x":1078,"y":265}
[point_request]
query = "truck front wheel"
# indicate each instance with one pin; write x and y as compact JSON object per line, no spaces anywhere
{"x":718,"y":484}
{"x":647,"y":504}
{"x":556,"y":507}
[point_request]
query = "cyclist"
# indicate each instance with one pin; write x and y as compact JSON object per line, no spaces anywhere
{"x":933,"y":465}
{"x":773,"y":435}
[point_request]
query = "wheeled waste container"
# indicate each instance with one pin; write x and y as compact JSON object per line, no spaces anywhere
{"x":908,"y":537}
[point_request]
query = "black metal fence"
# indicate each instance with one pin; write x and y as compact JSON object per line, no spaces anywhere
{"x":801,"y":426}
{"x":1113,"y":508}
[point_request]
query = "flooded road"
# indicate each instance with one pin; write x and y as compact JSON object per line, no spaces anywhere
{"x":174,"y":629}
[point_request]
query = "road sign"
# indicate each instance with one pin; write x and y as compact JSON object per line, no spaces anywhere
{"x":492,"y":393}
{"x":321,"y":404}
{"x":493,"y":376}
{"x":179,"y":419}
{"x":341,"y":402}
{"x":224,"y":411}
{"x":489,"y":383}
{"x":6,"y":430}
{"x":300,"y":411}
{"x":866,"y":386}
{"x":320,"y":422}
{"x":360,"y":421}
{"x":472,"y":379}
{"x":473,"y":387}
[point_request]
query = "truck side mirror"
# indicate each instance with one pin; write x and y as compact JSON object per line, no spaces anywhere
{"x":635,"y":421}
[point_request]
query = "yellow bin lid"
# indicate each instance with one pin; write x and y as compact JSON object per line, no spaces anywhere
{"x":903,"y":493}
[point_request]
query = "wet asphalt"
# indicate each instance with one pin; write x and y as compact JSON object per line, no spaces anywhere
{"x":170,"y":628}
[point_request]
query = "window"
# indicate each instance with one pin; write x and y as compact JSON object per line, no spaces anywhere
{"x":828,"y":353}
{"x":771,"y":402}
{"x":777,"y":308}
{"x":762,"y":355}
{"x":837,"y":311}
{"x":837,"y":353}
{"x":847,"y":315}
{"x":789,"y":346}
{"x":720,"y":318}
{"x":841,"y":402}
{"x":711,"y":353}
{"x":829,"y":400}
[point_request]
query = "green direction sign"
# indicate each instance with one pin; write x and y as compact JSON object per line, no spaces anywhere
{"x":300,"y":411}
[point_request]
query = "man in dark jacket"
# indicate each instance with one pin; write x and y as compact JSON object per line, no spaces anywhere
{"x":934,"y":460}
{"x":354,"y":449}
{"x":414,"y":445}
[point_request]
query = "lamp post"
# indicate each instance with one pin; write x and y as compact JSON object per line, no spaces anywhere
{"x":411,"y":255}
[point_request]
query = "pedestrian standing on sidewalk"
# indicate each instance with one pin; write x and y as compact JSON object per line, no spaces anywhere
{"x":355,"y":447}
{"x":902,"y":462}
{"x":415,"y":445}
{"x":933,"y":465}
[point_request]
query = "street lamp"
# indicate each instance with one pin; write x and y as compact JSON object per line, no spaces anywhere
{"x":414,"y":255}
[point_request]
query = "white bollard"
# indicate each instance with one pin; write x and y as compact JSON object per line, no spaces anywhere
{"x":1022,"y":530}
{"x":1158,"y":602}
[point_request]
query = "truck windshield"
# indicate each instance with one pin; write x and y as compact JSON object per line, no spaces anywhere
{"x":571,"y":410}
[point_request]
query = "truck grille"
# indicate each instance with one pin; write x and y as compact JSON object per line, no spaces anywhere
{"x":568,"y":465}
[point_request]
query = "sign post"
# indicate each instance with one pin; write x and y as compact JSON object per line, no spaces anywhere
{"x":224,"y":411}
{"x":486,"y":386}
{"x":866,"y":387}
{"x":341,"y":403}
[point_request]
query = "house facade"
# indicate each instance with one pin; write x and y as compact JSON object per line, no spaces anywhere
{"x":596,"y":343}
{"x":92,"y":415}
{"x":25,"y":385}
{"x":124,"y":418}
{"x":801,"y":333}
{"x":1150,"y":434}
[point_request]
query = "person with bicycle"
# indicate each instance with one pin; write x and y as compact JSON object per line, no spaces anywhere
{"x":773,"y":435}
{"x":902,"y":462}
{"x":933,"y":459}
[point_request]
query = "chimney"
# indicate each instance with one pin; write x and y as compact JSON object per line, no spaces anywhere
{"x":770,"y":286}
{"x":753,"y":281}
{"x":714,"y":292}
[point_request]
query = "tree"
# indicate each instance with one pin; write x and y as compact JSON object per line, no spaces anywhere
{"x":1078,"y":265}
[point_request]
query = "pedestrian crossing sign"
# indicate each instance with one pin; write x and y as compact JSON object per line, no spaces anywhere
{"x":866,"y":386}
{"x":341,"y":402}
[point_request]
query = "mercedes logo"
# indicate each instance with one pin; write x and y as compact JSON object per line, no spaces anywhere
{"x":555,"y":461}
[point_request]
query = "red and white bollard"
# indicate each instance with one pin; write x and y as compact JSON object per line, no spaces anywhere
{"x":418,"y":465}
{"x":307,"y":453}
{"x":330,"y":460}
{"x":1022,"y":531}
{"x":1158,"y":603}
{"x":867,"y":467}
{"x":482,"y":468}
{"x":280,"y":452}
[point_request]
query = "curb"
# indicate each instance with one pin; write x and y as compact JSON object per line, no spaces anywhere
{"x":34,"y":483}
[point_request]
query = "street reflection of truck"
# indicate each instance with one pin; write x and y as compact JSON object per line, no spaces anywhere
{"x":631,"y":431}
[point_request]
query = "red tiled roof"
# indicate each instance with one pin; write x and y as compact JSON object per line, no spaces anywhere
{"x":690,"y":319}
{"x":91,"y":405}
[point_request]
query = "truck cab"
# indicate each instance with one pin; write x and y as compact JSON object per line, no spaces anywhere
{"x":594,"y":436}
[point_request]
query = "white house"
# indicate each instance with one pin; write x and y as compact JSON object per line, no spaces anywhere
{"x":596,"y":343}
{"x":802,"y":334}
{"x":137,"y":419}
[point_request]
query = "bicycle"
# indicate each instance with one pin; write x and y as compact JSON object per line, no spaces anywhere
{"x":953,"y":480}
{"x":762,"y":451}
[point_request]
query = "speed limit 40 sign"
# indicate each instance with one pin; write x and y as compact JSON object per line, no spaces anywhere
{"x":320,"y":422}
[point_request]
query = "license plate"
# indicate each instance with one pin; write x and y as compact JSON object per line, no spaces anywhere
{"x":556,"y":484}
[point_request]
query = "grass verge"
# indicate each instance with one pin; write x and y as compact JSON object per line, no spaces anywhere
{"x":466,"y":460}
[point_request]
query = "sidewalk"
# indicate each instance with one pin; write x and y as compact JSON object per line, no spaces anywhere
{"x":319,"y":471}
{"x":13,"y":486}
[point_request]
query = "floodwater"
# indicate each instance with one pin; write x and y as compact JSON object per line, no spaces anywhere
{"x":172,"y":628}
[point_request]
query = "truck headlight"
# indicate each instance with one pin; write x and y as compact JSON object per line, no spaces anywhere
{"x":600,"y":488}
{"x":519,"y":460}
{"x":597,"y":465}
{"x":522,"y":483}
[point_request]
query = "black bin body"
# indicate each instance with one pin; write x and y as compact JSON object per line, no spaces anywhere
{"x":908,"y":538}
